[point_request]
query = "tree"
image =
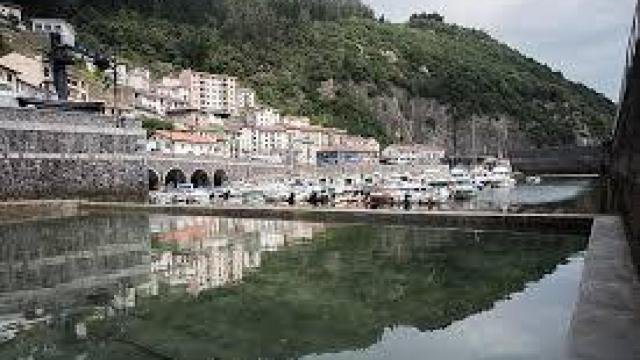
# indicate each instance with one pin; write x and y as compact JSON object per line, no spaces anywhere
{"x":153,"y":124}
{"x":423,"y":19}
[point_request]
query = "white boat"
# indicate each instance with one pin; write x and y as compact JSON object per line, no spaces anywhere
{"x":440,"y":189}
{"x":480,"y":177}
{"x":501,"y":176}
{"x":276,"y":192}
{"x":533,"y":180}
{"x":462,"y":187}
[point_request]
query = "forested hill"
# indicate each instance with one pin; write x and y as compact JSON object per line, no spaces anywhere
{"x":336,"y":62}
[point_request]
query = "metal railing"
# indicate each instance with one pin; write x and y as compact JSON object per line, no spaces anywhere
{"x":634,"y":35}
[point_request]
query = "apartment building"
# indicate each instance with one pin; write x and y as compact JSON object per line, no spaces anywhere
{"x":245,"y":98}
{"x":210,"y":92}
{"x":139,"y":79}
{"x":263,"y":116}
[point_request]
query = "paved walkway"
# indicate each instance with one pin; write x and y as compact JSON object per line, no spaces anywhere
{"x":606,"y":322}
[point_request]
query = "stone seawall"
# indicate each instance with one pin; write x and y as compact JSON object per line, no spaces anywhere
{"x":48,"y":154}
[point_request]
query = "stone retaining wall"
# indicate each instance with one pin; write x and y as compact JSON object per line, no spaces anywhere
{"x":47,"y":154}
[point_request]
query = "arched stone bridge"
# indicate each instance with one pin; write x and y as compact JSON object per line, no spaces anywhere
{"x":169,"y":170}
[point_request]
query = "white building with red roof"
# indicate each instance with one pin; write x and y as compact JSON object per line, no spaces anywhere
{"x":188,"y":143}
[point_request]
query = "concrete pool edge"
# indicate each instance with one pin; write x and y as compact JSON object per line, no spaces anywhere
{"x":606,"y":320}
{"x":37,"y":210}
{"x":481,"y":220}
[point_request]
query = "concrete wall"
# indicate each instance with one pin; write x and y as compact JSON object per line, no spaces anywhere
{"x":624,"y":170}
{"x":49,"y":154}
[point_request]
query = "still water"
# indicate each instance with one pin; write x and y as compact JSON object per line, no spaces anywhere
{"x":134,"y":286}
{"x":552,"y":195}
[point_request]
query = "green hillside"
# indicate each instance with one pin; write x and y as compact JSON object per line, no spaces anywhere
{"x":334,"y":61}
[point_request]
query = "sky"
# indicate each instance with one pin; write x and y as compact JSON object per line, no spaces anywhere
{"x":585,"y":39}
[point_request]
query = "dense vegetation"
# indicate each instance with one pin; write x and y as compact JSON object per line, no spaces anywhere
{"x":288,"y":49}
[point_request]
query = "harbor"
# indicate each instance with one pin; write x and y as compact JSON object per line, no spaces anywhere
{"x":317,"y":180}
{"x":428,"y":188}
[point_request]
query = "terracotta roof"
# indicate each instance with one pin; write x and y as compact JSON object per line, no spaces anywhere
{"x":186,"y":136}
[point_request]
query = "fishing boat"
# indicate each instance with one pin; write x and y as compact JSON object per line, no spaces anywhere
{"x":462,"y":187}
{"x":502,"y":177}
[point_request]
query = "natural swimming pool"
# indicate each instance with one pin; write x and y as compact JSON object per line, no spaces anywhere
{"x":137,"y":286}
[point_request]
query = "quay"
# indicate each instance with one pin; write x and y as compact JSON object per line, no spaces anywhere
{"x":486,"y":220}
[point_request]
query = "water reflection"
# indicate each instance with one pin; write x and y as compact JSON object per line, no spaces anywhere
{"x":562,"y":195}
{"x":199,"y":253}
{"x":137,"y":287}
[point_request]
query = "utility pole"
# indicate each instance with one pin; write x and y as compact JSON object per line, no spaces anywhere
{"x":115,"y":88}
{"x":473,"y":141}
{"x":454,"y":122}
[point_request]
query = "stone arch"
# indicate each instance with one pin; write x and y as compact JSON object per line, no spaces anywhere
{"x":174,"y":177}
{"x":200,"y":179}
{"x":219,"y":177}
{"x":154,"y":180}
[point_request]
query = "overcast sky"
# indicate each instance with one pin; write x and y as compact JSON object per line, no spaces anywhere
{"x":585,"y":39}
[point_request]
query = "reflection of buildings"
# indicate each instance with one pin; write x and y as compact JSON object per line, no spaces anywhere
{"x":201,"y":253}
{"x":67,"y":273}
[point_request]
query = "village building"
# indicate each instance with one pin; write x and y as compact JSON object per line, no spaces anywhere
{"x":11,"y":11}
{"x":413,"y":154}
{"x":78,"y":88}
{"x":210,"y":92}
{"x":353,"y":151}
{"x":263,"y":116}
{"x":194,"y":119}
{"x":55,"y":26}
{"x":22,"y":76}
{"x":245,"y":98}
{"x":187,"y":143}
{"x":139,"y":79}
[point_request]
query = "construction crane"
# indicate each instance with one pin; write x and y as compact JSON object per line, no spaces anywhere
{"x":62,"y":55}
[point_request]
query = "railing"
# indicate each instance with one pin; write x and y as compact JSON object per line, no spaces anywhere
{"x":634,"y":35}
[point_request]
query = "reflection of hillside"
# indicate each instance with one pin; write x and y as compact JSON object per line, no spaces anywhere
{"x":52,"y":266}
{"x":201,"y":253}
{"x":340,"y":291}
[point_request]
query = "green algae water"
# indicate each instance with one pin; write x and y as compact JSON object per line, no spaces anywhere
{"x":134,"y":286}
